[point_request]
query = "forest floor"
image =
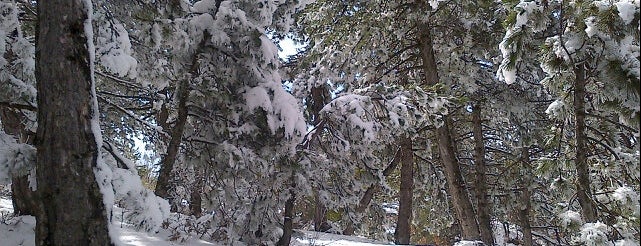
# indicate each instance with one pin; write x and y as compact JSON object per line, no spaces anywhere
{"x":19,"y":231}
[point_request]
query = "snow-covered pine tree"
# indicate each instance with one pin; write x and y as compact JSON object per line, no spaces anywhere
{"x":590,"y":57}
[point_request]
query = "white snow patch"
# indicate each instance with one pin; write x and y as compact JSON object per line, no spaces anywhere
{"x":593,"y":234}
{"x":17,"y":230}
{"x":15,"y":158}
{"x":555,"y":108}
{"x":569,"y":218}
{"x":627,"y":10}
{"x":509,"y":75}
{"x":20,"y":231}
{"x":301,"y":238}
{"x":468,"y":243}
{"x":525,"y":9}
{"x":591,"y":27}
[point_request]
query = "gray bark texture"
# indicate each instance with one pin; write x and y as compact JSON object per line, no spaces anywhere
{"x":73,"y":212}
{"x":526,"y":195}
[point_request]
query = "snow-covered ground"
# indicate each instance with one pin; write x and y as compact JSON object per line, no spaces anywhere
{"x":15,"y":231}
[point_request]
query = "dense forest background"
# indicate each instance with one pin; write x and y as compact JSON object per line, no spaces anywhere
{"x":408,"y":121}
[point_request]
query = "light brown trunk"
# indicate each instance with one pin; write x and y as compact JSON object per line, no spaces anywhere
{"x":483,"y":206}
{"x":67,"y":152}
{"x":403,"y":222}
{"x":460,"y":198}
{"x":584,"y":193}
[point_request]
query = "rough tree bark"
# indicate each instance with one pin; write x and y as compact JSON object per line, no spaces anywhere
{"x":456,"y":185}
{"x":584,"y":193}
{"x":167,"y":164}
{"x":288,"y":220}
{"x":67,"y":152}
{"x":196,"y":199}
{"x":483,"y":206}
{"x":403,"y":222}
{"x":318,"y":101}
{"x":524,"y":210}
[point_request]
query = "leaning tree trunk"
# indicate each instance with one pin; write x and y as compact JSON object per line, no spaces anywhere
{"x":403,"y":222}
{"x":456,"y":185}
{"x":483,"y":206}
{"x":67,"y":149}
{"x":367,"y":197}
{"x":163,"y":184}
{"x":584,"y":193}
{"x":24,"y":200}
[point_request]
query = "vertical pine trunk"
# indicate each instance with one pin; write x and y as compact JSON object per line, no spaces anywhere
{"x":524,"y":211}
{"x":403,"y":222}
{"x":318,"y":101}
{"x":456,"y":185}
{"x":584,"y":193}
{"x":196,"y":199}
{"x":483,"y":206}
{"x":67,"y":151}
{"x":288,"y":226}
{"x":288,"y":221}
{"x":24,"y":200}
{"x":320,"y":215}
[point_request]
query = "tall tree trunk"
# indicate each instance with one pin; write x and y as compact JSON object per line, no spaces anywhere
{"x":318,"y":98}
{"x":320,"y":215}
{"x":403,"y":222}
{"x":456,"y":185}
{"x":524,"y":210}
{"x":67,"y":150}
{"x":288,"y":220}
{"x":167,"y":164}
{"x":163,"y":184}
{"x":196,"y":200}
{"x":584,"y":193}
{"x":483,"y":206}
{"x":24,"y":200}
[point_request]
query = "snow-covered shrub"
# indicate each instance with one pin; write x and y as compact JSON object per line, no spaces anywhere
{"x":15,"y":159}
